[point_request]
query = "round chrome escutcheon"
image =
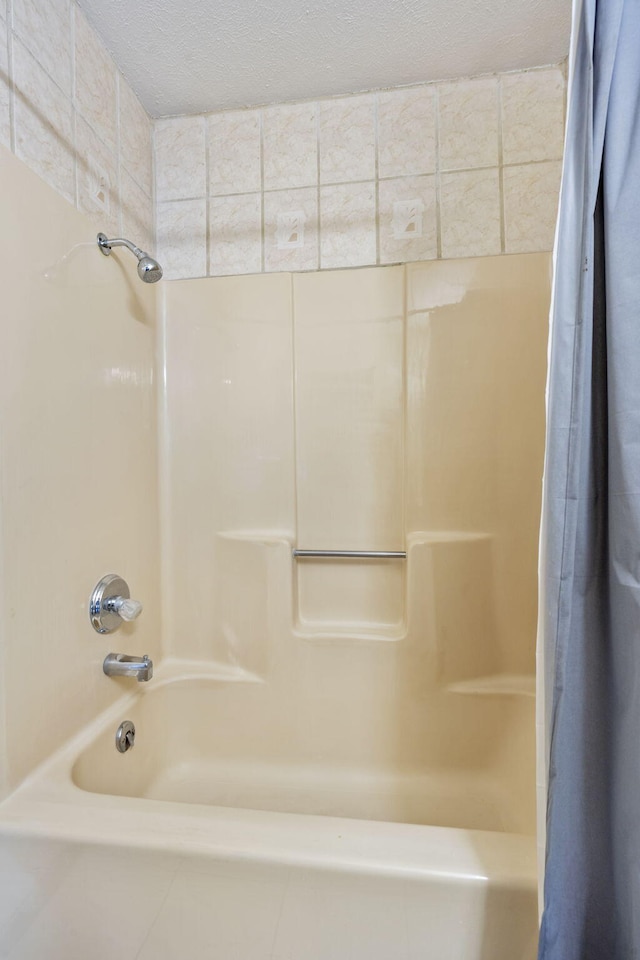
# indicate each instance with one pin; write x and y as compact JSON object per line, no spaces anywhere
{"x":125,"y":736}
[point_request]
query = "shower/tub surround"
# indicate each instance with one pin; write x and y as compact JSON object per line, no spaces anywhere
{"x":330,"y":714}
{"x":338,"y":580}
{"x":328,"y":711}
{"x":343,"y":715}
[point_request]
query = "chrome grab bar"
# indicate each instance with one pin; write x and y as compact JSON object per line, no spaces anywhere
{"x":351,"y":554}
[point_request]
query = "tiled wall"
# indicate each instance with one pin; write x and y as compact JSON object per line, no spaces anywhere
{"x":68,"y":113}
{"x":459,"y":168}
{"x":454,"y":169}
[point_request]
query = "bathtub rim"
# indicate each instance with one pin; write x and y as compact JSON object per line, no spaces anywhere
{"x":48,"y":803}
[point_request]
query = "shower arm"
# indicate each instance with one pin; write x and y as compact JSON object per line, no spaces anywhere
{"x":105,"y":245}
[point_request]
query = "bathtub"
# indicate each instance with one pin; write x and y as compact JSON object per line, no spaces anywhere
{"x":217,"y":772}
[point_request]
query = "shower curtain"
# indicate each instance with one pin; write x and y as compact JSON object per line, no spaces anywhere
{"x":590,"y":587}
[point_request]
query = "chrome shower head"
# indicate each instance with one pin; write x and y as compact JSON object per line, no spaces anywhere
{"x":149,"y":270}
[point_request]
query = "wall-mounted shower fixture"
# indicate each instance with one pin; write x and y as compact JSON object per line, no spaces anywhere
{"x":149,"y":270}
{"x":111,"y":604}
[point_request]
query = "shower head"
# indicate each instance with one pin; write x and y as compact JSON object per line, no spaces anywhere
{"x":149,"y":270}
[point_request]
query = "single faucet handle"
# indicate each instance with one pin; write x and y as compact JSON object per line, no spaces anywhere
{"x":110,"y":604}
{"x":126,"y":608}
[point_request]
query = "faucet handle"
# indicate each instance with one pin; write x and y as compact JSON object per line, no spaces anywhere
{"x":110,"y":604}
{"x":126,"y":608}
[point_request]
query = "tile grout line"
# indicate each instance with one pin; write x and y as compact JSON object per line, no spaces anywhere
{"x":346,"y":183}
{"x":74,"y":106}
{"x":294,"y":410}
{"x":503,"y":225}
{"x":154,"y":206}
{"x":376,"y":161}
{"x":263,"y":239}
{"x":436,"y":127}
{"x":10,"y":78}
{"x":119,"y":197}
{"x":207,"y":201}
{"x":405,"y":417}
{"x":318,"y":189}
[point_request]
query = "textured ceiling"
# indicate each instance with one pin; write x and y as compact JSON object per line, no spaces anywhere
{"x":193,"y":56}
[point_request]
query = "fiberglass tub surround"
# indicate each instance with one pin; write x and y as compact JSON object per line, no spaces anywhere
{"x":383,"y":409}
{"x":371,"y":717}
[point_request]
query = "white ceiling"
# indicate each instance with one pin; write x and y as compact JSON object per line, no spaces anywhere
{"x":193,"y":56}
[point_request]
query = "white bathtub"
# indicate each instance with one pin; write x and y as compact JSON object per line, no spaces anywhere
{"x":208,"y":776}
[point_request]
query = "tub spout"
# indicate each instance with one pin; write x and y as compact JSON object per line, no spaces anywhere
{"x":122,"y":665}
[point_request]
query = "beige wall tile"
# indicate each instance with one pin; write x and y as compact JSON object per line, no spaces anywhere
{"x":136,"y":212}
{"x":407,"y":219}
{"x":181,"y":240}
{"x":98,"y":187}
{"x":290,"y":144}
{"x":43,"y":123}
{"x":347,"y":225}
{"x":234,"y":152}
{"x":468,"y":123}
{"x":135,"y":137}
{"x":69,"y":132}
{"x":347,"y":139}
{"x":406,"y":132}
{"x":235,"y":234}
{"x":470,"y":213}
{"x":44,"y":26}
{"x":95,"y":87}
{"x":337,"y":139}
{"x":291,"y":229}
{"x":180,"y":158}
{"x":531,"y":194}
{"x":5,"y":111}
{"x":532,"y":115}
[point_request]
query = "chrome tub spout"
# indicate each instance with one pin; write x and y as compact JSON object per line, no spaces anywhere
{"x":122,"y":665}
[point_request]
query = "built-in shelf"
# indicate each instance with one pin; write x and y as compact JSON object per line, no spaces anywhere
{"x":500,"y":684}
{"x":348,"y":632}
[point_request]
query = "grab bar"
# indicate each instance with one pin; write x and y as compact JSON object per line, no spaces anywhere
{"x":351,"y":554}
